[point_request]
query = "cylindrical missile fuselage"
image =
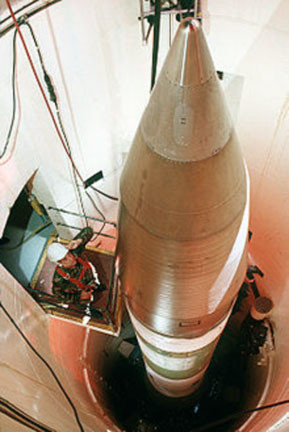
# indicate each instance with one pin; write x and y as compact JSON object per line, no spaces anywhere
{"x":183,"y":218}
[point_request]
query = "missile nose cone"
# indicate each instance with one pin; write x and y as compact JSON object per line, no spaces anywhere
{"x":186,"y":119}
{"x":189,"y":62}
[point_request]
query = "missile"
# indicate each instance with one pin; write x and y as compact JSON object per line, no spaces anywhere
{"x":183,"y":218}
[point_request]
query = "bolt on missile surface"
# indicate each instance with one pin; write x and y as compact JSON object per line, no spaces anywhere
{"x":183,"y":219}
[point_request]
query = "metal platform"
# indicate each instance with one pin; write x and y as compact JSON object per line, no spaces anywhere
{"x":104,"y":313}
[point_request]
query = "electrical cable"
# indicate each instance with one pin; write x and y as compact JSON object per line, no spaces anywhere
{"x":73,"y":170}
{"x":235,"y":415}
{"x":53,"y":99}
{"x":102,"y":215}
{"x":30,"y":13}
{"x":18,"y":10}
{"x":21,"y":417}
{"x":40,"y":87}
{"x":104,"y":193}
{"x":50,"y":89}
{"x":12,"y":121}
{"x":157,"y":23}
{"x":46,"y":364}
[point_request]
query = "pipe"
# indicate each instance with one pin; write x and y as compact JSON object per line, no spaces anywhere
{"x":83,"y":216}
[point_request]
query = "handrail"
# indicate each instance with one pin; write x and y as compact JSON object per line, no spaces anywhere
{"x":83,"y":216}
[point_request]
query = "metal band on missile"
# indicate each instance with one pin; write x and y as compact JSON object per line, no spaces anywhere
{"x":176,"y":366}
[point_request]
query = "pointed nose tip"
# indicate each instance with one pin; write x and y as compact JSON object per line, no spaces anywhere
{"x":190,"y":54}
{"x":190,"y":24}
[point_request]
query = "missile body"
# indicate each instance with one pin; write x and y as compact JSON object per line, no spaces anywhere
{"x":183,"y":218}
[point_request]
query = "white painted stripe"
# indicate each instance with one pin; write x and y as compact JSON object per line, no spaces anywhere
{"x":85,"y":343}
{"x":88,"y":386}
{"x":184,"y":60}
{"x":94,"y":272}
{"x":225,"y":278}
{"x":165,"y":362}
{"x":177,"y":345}
{"x":171,"y":387}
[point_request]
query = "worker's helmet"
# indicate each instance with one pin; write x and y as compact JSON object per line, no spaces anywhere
{"x":56,"y":251}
